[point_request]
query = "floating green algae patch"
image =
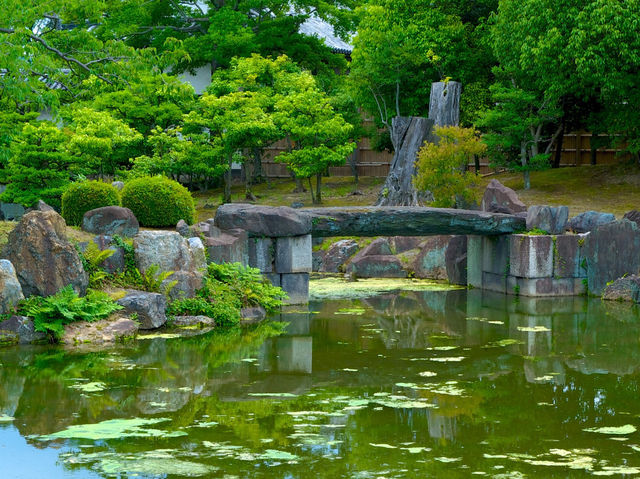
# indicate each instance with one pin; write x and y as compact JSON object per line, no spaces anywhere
{"x":91,"y":387}
{"x":338,"y":288}
{"x":113,"y":429}
{"x":5,"y":418}
{"x":626,"y":429}
{"x":354,"y":311}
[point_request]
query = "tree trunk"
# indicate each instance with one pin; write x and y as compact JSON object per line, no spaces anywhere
{"x":559,"y":144}
{"x":408,"y":134}
{"x":444,"y":103}
{"x":257,"y":175}
{"x":318,"y":199}
{"x":226,"y":198}
{"x":523,"y":162}
{"x":476,"y":160}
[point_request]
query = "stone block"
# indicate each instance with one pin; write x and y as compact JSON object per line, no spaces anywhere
{"x":296,"y":285}
{"x":531,"y":256}
{"x":474,"y":261}
{"x":568,"y":256}
{"x":232,"y":246}
{"x":551,"y":219}
{"x":263,"y":220}
{"x":274,"y":278}
{"x":293,"y":254}
{"x":589,"y":220}
{"x":545,"y":286}
{"x":495,"y":254}
{"x":261,"y":254}
{"x":612,"y":251}
{"x":494,"y":282}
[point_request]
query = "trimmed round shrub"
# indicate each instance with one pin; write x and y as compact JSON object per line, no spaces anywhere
{"x":85,"y":196}
{"x":158,"y":201}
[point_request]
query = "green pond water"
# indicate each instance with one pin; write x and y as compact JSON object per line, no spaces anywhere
{"x":451,"y":384}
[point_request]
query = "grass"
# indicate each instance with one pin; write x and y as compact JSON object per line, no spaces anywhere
{"x":336,"y":191}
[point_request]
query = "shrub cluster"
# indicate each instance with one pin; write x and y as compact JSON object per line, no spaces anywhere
{"x":84,"y":196}
{"x":158,"y":201}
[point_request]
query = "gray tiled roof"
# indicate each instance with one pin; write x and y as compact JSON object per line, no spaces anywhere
{"x":319,"y":28}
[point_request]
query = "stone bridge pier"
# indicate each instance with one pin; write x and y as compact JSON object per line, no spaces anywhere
{"x":279,"y":238}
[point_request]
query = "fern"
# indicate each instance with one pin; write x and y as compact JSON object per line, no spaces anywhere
{"x":52,"y":313}
{"x":152,"y":280}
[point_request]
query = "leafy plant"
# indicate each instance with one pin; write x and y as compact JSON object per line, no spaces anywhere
{"x":153,"y":278}
{"x":92,"y":258}
{"x":52,"y":313}
{"x":158,"y":201}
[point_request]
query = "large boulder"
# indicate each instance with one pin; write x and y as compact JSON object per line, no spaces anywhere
{"x":168,"y":250}
{"x":149,"y":308}
{"x":589,"y":220}
{"x":551,"y":219}
{"x":21,"y":330}
{"x":623,"y":289}
{"x":430,"y":261}
{"x":405,"y":243}
{"x":501,"y":199}
{"x":184,"y":284}
{"x":98,"y":332}
{"x":611,"y":251}
{"x":633,"y":215}
{"x":263,"y":220}
{"x":43,"y":257}
{"x":337,"y":255}
{"x":114,"y":263}
{"x":378,"y":247}
{"x":10,"y":289}
{"x":376,"y":267}
{"x":111,"y":220}
{"x":456,"y":260}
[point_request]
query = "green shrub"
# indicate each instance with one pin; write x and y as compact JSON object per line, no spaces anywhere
{"x":158,"y":201}
{"x":85,"y":196}
{"x":227,"y":289}
{"x":52,"y":313}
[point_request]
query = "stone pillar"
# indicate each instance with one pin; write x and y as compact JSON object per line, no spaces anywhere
{"x":474,"y":261}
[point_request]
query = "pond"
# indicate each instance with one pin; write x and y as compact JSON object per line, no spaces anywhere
{"x":451,"y":384}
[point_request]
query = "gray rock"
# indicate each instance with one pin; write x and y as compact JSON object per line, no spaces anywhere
{"x":406,"y":243}
{"x":623,"y":289}
{"x":231,"y":246}
{"x":501,"y":199}
{"x":10,"y":289}
{"x":376,"y":267}
{"x":297,"y":204}
{"x":589,"y":220}
{"x":204,"y":321}
{"x":186,"y":284}
{"x":551,"y":219}
{"x":378,"y":247}
{"x":12,"y":211}
{"x":20,"y":329}
{"x":337,"y":255}
{"x":114,"y":263}
{"x":150,"y":308}
{"x":183,"y":228}
{"x":42,"y":206}
{"x":43,"y":257}
{"x":430,"y":262}
{"x":611,"y":251}
{"x":633,"y":215}
{"x":168,"y":250}
{"x":317,"y":260}
{"x":199,"y":229}
{"x":456,"y":260}
{"x":263,"y":220}
{"x":409,"y":221}
{"x":118,"y":185}
{"x":98,"y":332}
{"x":253,"y":315}
{"x":111,"y":220}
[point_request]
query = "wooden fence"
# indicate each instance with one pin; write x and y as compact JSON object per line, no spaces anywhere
{"x":576,"y":151}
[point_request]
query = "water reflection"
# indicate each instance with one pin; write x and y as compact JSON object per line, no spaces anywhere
{"x":428,"y":382}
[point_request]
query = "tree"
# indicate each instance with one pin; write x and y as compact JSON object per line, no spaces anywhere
{"x":228,"y":124}
{"x":442,"y":167}
{"x":40,"y":167}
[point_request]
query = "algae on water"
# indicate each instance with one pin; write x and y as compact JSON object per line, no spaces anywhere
{"x":338,"y":288}
{"x":113,"y":429}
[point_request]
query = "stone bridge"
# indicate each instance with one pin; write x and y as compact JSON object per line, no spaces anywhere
{"x":279,"y":238}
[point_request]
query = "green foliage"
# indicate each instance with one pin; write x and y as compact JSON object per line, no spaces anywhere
{"x":227,"y":289}
{"x":153,"y":278}
{"x":158,"y":201}
{"x":92,"y":259}
{"x":84,"y":196}
{"x":40,"y":168}
{"x":52,"y":313}
{"x":442,"y":167}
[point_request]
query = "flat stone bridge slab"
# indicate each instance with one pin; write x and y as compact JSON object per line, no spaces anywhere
{"x":265,"y":221}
